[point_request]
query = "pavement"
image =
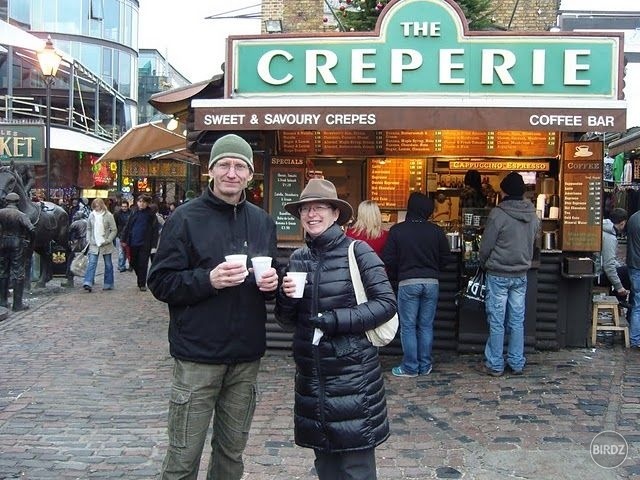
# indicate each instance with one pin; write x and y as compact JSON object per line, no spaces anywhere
{"x":84,"y":385}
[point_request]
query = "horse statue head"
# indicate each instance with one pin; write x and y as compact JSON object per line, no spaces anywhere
{"x":10,"y":181}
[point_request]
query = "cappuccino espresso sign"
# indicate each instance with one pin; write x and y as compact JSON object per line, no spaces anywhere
{"x":421,"y":56}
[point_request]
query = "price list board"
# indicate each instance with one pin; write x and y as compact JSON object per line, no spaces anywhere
{"x":581,"y":196}
{"x":351,"y":143}
{"x":391,"y":181}
{"x":303,"y":142}
{"x":285,"y":186}
{"x":510,"y":143}
{"x":468,"y":143}
{"x":409,"y":142}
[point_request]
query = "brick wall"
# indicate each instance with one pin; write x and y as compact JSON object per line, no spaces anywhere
{"x":296,"y":16}
{"x":529,"y":15}
{"x":306,"y":15}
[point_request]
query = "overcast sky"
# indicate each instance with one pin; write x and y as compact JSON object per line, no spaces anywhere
{"x":193,"y":45}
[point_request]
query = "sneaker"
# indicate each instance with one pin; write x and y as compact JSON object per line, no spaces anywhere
{"x":399,"y":372}
{"x":427,"y":372}
{"x":482,"y":368}
{"x":512,"y":371}
{"x":87,"y":288}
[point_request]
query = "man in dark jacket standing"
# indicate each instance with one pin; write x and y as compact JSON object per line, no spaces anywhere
{"x":414,"y":254}
{"x":506,"y":251}
{"x":122,"y":217}
{"x":217,"y":314}
{"x":633,"y":264}
{"x":140,"y":236}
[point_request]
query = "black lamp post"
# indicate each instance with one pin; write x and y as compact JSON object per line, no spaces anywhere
{"x":49,"y":62}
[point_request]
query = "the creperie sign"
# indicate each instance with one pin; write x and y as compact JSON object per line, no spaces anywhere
{"x":422,"y":47}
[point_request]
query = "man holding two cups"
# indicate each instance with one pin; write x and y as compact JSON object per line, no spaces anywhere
{"x":217,"y":313}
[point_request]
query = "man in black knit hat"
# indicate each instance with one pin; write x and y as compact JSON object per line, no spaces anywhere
{"x":506,"y":251}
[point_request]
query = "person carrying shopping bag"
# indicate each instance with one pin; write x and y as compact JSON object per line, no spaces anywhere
{"x":101,"y":231}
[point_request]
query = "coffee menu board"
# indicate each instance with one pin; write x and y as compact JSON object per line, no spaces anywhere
{"x":465,"y":143}
{"x":286,"y":182}
{"x":392,"y":180}
{"x":581,"y":197}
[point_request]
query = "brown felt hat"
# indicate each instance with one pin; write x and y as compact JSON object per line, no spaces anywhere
{"x":320,"y":190}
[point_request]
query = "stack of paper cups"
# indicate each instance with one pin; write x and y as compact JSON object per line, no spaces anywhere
{"x":540,"y":203}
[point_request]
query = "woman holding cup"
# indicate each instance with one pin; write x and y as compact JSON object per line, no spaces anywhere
{"x":340,"y":408}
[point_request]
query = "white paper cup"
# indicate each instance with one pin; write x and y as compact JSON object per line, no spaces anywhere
{"x":239,"y":258}
{"x":260,"y":266}
{"x":300,"y":279}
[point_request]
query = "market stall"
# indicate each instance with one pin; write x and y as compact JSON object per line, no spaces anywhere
{"x":412,"y":107}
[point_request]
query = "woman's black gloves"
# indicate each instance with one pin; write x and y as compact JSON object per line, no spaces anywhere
{"x":327,"y":322}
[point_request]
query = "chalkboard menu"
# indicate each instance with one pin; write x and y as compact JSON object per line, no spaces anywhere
{"x":285,"y":186}
{"x":391,"y":180}
{"x":581,"y":196}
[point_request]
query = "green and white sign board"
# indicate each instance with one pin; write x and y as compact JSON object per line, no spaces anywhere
{"x":21,"y":143}
{"x":421,"y":69}
{"x":421,"y":47}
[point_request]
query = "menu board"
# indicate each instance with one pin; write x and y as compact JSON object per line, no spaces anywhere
{"x":285,"y":185}
{"x":298,"y":142}
{"x":342,"y":142}
{"x":463,"y":143}
{"x":581,"y":197}
{"x":348,"y":142}
{"x":391,"y":180}
{"x":469,"y":143}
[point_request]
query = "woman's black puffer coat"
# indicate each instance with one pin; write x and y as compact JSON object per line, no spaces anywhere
{"x":339,"y":392}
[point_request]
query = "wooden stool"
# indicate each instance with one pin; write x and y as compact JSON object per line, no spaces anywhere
{"x":602,"y":304}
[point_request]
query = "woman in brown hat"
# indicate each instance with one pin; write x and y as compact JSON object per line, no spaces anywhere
{"x":340,"y":406}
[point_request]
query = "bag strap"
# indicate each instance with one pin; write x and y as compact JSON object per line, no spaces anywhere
{"x":356,"y":280}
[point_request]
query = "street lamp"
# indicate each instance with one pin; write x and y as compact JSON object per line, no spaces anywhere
{"x":49,"y":62}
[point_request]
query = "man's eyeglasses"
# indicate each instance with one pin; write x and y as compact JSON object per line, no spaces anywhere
{"x":307,"y":209}
{"x":240,"y":168}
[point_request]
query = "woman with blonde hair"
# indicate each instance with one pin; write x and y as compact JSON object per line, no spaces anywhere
{"x":101,"y":231}
{"x":368,"y":226}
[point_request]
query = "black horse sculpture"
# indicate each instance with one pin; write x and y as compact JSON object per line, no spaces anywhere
{"x":50,"y":220}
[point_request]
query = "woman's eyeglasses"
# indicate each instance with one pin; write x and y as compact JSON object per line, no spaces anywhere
{"x":307,"y":209}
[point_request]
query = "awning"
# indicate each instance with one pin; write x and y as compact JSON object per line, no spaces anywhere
{"x":63,"y":139}
{"x":625,"y":143}
{"x":145,"y":140}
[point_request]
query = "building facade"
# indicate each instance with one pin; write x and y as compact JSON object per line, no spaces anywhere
{"x":93,"y":96}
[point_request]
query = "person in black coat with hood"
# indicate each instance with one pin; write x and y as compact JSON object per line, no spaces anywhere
{"x":340,"y":406}
{"x":414,"y":254}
